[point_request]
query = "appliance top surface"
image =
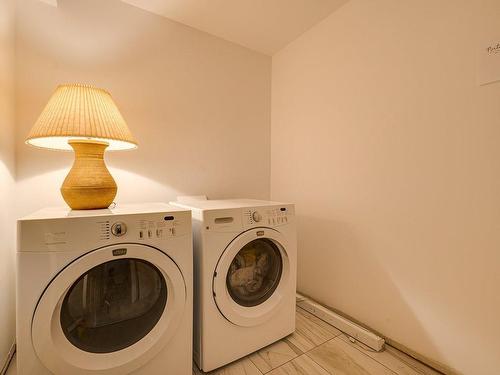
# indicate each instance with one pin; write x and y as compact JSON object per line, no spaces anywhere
{"x":227,"y":204}
{"x":120,"y":209}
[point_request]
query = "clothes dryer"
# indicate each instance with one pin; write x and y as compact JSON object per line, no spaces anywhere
{"x":105,"y":291}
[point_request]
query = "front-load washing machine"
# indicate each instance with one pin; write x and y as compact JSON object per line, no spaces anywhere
{"x":105,"y":291}
{"x":245,"y":259}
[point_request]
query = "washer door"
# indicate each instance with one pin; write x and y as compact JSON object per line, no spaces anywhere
{"x":250,"y":279}
{"x":109,"y":311}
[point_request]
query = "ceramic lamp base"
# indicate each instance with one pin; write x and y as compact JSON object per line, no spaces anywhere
{"x":89,"y":185}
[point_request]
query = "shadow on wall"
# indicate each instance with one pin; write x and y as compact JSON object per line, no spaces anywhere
{"x":354,"y":269}
{"x":198,"y":105}
{"x":7,"y":164}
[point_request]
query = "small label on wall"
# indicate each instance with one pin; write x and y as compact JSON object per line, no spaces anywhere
{"x":489,"y":62}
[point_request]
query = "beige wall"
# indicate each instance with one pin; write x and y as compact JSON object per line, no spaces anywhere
{"x":198,"y":105}
{"x":391,"y":151}
{"x":7,"y":227}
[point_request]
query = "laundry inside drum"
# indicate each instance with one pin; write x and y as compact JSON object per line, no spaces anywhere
{"x":255,"y":272}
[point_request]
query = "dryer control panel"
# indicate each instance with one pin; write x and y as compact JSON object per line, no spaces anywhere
{"x":142,"y":229}
{"x":92,"y":231}
{"x":170,"y":226}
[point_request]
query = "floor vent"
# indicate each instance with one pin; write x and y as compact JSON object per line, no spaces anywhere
{"x":351,"y":329}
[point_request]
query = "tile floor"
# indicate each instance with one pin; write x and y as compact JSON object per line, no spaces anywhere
{"x":317,"y":348}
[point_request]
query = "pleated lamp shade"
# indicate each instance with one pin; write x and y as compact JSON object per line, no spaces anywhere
{"x":80,"y":112}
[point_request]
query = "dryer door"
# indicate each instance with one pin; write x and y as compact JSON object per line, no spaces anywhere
{"x":109,"y":311}
{"x":251,"y":278}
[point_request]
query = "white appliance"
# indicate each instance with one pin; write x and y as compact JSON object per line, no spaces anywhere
{"x":105,"y":291}
{"x":245,"y":259}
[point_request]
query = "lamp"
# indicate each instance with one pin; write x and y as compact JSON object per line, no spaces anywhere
{"x":85,"y":119}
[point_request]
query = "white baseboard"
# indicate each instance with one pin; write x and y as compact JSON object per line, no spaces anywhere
{"x":8,"y":359}
{"x":345,"y":325}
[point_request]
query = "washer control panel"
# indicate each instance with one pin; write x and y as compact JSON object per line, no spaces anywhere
{"x":268,"y":216}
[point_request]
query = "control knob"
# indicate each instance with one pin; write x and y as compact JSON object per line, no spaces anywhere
{"x":118,"y":229}
{"x":256,"y":216}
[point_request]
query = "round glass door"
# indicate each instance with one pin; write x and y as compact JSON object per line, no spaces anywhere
{"x":113,"y":305}
{"x":255,"y":272}
{"x":251,"y":279}
{"x":107,"y":315}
